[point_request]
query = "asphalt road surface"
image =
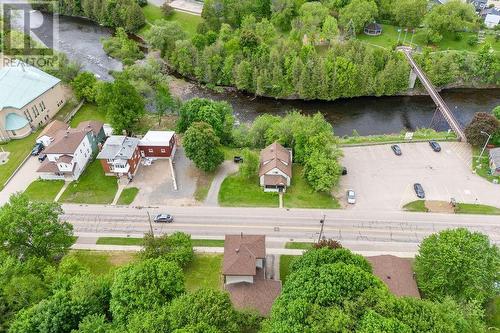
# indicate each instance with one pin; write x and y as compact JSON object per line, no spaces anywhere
{"x":375,"y":230}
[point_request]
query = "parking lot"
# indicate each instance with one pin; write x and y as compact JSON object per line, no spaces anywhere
{"x":384,"y":181}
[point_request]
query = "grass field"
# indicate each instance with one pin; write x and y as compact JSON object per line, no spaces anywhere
{"x":237,"y":191}
{"x":87,"y":112}
{"x":481,"y":165}
{"x":127,"y":196}
{"x":416,"y":206}
{"x":18,"y":150}
{"x":102,"y":262}
{"x":298,"y":245}
{"x":44,"y":190}
{"x":66,"y":109}
{"x":93,"y":187}
{"x":204,"y":272}
{"x":203,"y":184}
{"x":419,"y":134}
{"x":463,"y":208}
{"x":389,"y":38}
{"x":138,"y":241}
{"x":188,"y":22}
{"x":301,"y":195}
{"x":285,"y":261}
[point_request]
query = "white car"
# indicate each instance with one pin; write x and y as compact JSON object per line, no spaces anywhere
{"x":351,"y":197}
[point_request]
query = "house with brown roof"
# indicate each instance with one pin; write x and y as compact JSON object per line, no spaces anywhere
{"x":275,"y":170}
{"x":396,"y":273}
{"x":69,"y":150}
{"x":244,"y":271}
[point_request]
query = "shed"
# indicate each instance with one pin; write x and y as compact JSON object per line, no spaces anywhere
{"x":158,"y":144}
{"x":373,"y":29}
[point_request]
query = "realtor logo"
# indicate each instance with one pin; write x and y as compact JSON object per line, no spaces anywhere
{"x":29,"y":29}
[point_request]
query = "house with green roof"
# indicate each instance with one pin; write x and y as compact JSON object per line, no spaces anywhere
{"x":29,"y":98}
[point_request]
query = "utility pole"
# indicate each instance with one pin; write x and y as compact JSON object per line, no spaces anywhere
{"x":322,"y":222}
{"x":150,"y":225}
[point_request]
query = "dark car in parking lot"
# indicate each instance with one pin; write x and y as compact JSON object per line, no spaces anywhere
{"x":344,"y":171}
{"x":37,"y":149}
{"x":396,"y":150}
{"x":42,"y":157}
{"x":435,"y":146}
{"x":419,"y":190}
{"x":163,"y":218}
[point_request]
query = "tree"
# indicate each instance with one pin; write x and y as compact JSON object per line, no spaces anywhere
{"x":450,"y":17}
{"x":163,"y":101}
{"x":203,"y":147}
{"x":250,"y":167}
{"x":219,"y":115}
{"x":163,"y":35}
{"x":123,"y":105}
{"x":121,"y":47}
{"x":373,"y":322}
{"x":84,"y":86}
{"x":458,"y":263}
{"x":321,"y":171}
{"x":360,"y":12}
{"x":329,"y":243}
{"x":32,"y":229}
{"x":324,"y":255}
{"x":482,"y":122}
{"x":143,"y":285}
{"x":496,"y":112}
{"x":409,"y":13}
{"x":176,"y":247}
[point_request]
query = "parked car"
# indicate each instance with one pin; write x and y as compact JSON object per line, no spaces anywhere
{"x":42,"y":157}
{"x":419,"y":190}
{"x":163,"y":218}
{"x":238,"y":159}
{"x":435,"y":146}
{"x":37,"y":149}
{"x":351,"y":197}
{"x":344,"y":171}
{"x":396,"y":150}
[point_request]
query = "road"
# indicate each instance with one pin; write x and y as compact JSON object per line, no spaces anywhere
{"x":363,"y":230}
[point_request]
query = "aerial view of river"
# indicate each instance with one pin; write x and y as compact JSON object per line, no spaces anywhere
{"x":80,"y":40}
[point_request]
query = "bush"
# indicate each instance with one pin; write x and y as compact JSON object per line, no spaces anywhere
{"x":472,"y":40}
{"x":176,"y":247}
{"x":325,"y":255}
{"x":328,"y":243}
{"x":167,"y":10}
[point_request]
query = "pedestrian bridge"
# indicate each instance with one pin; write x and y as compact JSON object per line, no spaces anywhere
{"x":441,"y":105}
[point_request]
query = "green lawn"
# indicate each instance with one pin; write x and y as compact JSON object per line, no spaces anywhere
{"x":416,"y":206}
{"x":188,"y":22}
{"x":298,"y":245}
{"x":463,"y":208}
{"x":230,"y":153}
{"x":87,"y":112}
{"x":203,"y":183}
{"x":44,"y":190}
{"x":127,"y":196}
{"x":66,"y":109}
{"x":102,"y":262}
{"x":237,"y":191}
{"x":93,"y":187}
{"x":138,"y":241}
{"x":389,"y":38}
{"x":301,"y":195}
{"x":285,"y":261}
{"x":204,"y":271}
{"x":481,"y":165}
{"x":419,"y":134}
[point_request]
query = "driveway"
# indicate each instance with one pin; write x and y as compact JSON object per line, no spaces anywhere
{"x":156,"y":186}
{"x":190,"y":6}
{"x":225,"y":169}
{"x":25,"y":176}
{"x":384,"y":181}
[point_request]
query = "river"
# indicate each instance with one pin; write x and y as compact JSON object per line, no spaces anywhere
{"x":80,"y":40}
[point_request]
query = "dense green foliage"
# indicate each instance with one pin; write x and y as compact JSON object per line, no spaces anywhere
{"x":326,"y":292}
{"x":202,"y":146}
{"x":84,"y":86}
{"x":250,"y":166}
{"x":176,"y":247}
{"x":121,"y":47}
{"x":122,"y":103}
{"x":124,"y":13}
{"x":33,"y":229}
{"x":481,"y":123}
{"x":460,"y":264}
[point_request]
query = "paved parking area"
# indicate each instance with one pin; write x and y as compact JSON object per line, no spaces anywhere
{"x":25,"y":176}
{"x":155,"y":182}
{"x":384,"y":181}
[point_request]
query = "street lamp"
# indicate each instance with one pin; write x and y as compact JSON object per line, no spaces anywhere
{"x":485,"y":144}
{"x":322,"y":222}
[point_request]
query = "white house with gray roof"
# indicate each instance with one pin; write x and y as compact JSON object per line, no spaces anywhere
{"x":120,"y":156}
{"x":29,"y":98}
{"x":495,"y":161}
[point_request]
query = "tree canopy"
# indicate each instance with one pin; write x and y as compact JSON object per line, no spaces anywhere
{"x":481,"y":123}
{"x":84,"y":86}
{"x":176,"y":247}
{"x":458,"y":263}
{"x":203,"y":147}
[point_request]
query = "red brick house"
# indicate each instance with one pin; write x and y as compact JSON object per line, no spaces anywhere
{"x":158,"y":144}
{"x":120,"y":156}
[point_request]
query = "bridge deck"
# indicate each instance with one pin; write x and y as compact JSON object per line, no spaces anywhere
{"x":448,"y":115}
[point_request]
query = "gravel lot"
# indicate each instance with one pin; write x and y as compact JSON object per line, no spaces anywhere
{"x":384,"y":181}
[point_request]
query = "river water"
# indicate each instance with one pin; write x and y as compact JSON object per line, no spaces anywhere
{"x":80,"y":40}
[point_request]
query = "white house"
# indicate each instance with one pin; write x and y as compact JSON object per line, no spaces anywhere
{"x":67,"y":155}
{"x":492,"y":18}
{"x":275,"y":171}
{"x":495,"y":161}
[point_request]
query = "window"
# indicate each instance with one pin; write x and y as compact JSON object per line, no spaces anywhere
{"x":150,"y":150}
{"x":43,"y":106}
{"x":28,"y":115}
{"x":163,"y":151}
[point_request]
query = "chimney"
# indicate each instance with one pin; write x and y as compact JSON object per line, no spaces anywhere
{"x":237,"y":250}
